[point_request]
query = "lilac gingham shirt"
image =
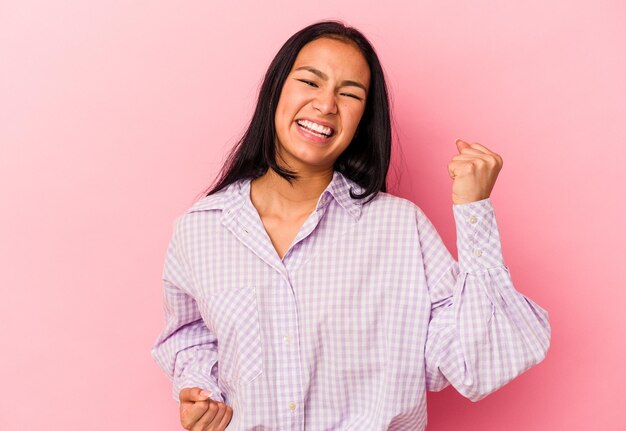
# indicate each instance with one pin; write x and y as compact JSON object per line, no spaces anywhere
{"x":366,"y":312}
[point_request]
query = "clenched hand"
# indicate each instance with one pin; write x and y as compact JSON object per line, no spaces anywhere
{"x":474,"y":171}
{"x":200,"y":413}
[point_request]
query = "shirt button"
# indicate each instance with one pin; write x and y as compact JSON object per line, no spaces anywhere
{"x":473,"y":220}
{"x":287,"y":339}
{"x":292,"y":406}
{"x":478,"y":252}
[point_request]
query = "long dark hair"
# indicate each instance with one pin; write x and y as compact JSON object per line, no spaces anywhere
{"x":365,"y":161}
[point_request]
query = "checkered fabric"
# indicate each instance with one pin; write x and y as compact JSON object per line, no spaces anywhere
{"x":366,"y":312}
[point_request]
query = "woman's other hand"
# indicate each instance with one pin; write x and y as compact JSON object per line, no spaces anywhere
{"x":474,"y":171}
{"x":198,"y":412}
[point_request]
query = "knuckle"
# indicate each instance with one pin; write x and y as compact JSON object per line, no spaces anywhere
{"x":185,"y":394}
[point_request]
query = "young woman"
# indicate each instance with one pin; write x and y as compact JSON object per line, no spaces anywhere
{"x":300,"y":295}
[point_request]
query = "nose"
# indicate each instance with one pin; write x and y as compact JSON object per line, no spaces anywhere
{"x":325,"y":102}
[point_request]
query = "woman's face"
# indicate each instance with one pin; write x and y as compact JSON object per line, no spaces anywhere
{"x":321,"y":104}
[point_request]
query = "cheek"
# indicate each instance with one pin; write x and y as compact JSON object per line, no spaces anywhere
{"x":282,"y":100}
{"x":354,"y":118}
{"x":281,"y":118}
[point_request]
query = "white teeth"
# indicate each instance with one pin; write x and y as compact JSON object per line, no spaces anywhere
{"x":316,"y":127}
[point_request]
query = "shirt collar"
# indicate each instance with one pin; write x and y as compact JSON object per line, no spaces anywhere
{"x":233,"y":197}
{"x":339,"y":190}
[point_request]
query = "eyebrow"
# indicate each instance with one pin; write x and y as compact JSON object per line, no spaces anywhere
{"x":323,"y":76}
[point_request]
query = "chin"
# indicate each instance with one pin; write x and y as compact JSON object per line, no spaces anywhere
{"x":310,"y":163}
{"x":308,"y":158}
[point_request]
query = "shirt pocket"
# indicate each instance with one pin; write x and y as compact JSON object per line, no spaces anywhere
{"x":234,"y":316}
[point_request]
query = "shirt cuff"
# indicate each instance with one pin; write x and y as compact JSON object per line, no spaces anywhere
{"x":477,"y":236}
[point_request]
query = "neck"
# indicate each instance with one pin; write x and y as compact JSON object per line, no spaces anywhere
{"x":273,"y":195}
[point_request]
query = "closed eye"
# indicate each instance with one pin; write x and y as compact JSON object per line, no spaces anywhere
{"x":309,"y":83}
{"x":351,"y":95}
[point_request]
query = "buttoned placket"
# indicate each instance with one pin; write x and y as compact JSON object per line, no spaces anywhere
{"x":292,"y":400}
{"x":245,"y":223}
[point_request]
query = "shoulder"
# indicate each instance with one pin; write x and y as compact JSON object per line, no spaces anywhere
{"x":386,"y":202}
{"x":218,"y":200}
{"x":383,"y":203}
{"x":210,"y":207}
{"x":394,"y":213}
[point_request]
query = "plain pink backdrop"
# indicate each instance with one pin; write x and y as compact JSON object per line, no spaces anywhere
{"x":115,"y":116}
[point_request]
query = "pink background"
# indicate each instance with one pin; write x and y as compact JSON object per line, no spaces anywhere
{"x":116,"y":115}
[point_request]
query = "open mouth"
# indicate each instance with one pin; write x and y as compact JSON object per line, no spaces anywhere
{"x":316,"y":129}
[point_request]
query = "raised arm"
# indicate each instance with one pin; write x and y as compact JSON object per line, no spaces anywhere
{"x":482,"y":332}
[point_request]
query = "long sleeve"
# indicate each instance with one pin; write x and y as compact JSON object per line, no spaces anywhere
{"x":186,"y":350}
{"x":482,"y":332}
